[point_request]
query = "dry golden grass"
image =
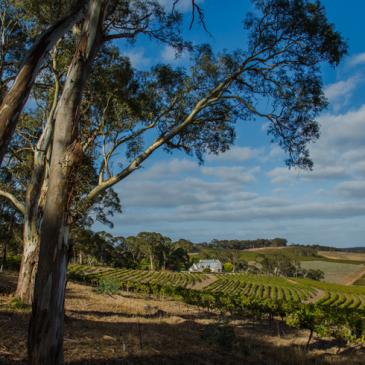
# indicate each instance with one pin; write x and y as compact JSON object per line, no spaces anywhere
{"x":135,"y":329}
{"x":338,"y":255}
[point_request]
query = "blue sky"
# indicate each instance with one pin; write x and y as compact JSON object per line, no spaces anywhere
{"x":248,"y":192}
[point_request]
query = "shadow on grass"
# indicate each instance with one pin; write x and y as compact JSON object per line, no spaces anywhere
{"x":141,"y":341}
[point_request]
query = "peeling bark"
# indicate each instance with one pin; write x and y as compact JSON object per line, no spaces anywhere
{"x":28,"y":266}
{"x":33,"y":204}
{"x":45,"y":340}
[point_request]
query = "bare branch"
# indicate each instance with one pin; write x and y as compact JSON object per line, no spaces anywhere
{"x":13,"y":200}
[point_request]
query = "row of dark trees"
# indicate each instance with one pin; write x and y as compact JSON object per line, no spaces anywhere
{"x":245,"y":244}
{"x":146,"y":251}
{"x":93,"y":120}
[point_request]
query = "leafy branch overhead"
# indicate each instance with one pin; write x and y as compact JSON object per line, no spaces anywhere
{"x":197,"y":108}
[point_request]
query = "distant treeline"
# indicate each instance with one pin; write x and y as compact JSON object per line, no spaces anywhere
{"x":331,"y":248}
{"x":245,"y":244}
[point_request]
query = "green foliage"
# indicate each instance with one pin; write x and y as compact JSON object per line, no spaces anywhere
{"x":16,"y":303}
{"x":127,"y":277}
{"x":245,"y":244}
{"x":146,"y":251}
{"x":227,"y":267}
{"x":108,"y":286}
{"x":314,"y":274}
{"x":279,"y":264}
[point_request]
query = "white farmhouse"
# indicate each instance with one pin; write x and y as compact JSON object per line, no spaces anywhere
{"x":213,"y":265}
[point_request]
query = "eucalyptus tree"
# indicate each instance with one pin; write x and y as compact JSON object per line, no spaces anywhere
{"x":18,"y":23}
{"x":195,"y":110}
{"x":105,"y":21}
{"x":27,"y":167}
{"x":156,"y":248}
{"x":12,"y":104}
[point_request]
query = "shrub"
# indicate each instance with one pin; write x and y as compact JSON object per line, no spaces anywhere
{"x":16,"y":303}
{"x":108,"y":286}
{"x":315,"y":274}
{"x":227,"y":267}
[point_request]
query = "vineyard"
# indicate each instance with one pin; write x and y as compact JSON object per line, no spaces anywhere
{"x":297,"y":290}
{"x":258,"y":287}
{"x":264,"y":287}
{"x":336,"y":295}
{"x":94,"y":274}
{"x":329,"y":310}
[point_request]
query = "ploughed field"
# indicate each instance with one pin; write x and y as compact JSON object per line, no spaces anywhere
{"x":258,"y":287}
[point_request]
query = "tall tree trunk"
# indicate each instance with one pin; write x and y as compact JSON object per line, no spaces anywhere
{"x":15,"y":99}
{"x":45,"y":340}
{"x":29,"y":263}
{"x":152,"y":267}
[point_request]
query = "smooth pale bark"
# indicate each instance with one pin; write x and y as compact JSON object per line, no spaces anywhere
{"x":37,"y":184}
{"x":45,"y":340}
{"x":152,"y":266}
{"x":28,"y":266}
{"x":15,"y":99}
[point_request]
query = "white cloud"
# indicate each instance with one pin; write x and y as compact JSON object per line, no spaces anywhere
{"x":170,"y":55}
{"x":236,"y":173}
{"x":169,"y":168}
{"x":284,"y":175}
{"x":138,"y":58}
{"x":357,"y":59}
{"x":354,"y":188}
{"x":339,"y":153}
{"x":342,"y":89}
{"x":230,"y":211}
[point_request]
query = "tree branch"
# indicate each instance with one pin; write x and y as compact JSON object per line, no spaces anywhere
{"x":13,"y":200}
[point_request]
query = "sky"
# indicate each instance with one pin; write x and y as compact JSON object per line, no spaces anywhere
{"x":248,"y":192}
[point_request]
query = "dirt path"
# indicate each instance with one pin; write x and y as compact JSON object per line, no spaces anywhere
{"x":354,"y":277}
{"x":204,"y":283}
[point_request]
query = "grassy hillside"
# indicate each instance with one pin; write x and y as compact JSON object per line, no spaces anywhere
{"x":292,"y":252}
{"x":336,"y":272}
